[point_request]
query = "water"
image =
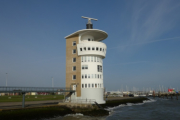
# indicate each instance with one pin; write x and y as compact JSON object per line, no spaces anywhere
{"x":154,"y":109}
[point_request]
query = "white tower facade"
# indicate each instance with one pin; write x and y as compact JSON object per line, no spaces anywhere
{"x":87,"y":79}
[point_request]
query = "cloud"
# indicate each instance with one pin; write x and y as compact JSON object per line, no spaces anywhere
{"x":149,"y":21}
{"x":146,"y":42}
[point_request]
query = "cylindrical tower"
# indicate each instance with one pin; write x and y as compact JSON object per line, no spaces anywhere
{"x":87,"y":77}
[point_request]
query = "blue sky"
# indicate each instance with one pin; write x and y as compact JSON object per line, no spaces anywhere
{"x":143,"y":44}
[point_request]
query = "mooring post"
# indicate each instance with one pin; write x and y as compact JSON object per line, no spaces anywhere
{"x":23,"y":100}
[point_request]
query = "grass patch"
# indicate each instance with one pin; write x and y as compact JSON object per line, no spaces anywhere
{"x":30,"y":98}
{"x":35,"y":113}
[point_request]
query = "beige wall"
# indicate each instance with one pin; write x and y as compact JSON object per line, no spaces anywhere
{"x":70,"y":64}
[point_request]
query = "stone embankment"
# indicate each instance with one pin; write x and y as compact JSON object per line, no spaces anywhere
{"x":51,"y":111}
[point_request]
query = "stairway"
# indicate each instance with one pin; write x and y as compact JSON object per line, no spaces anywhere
{"x":100,"y":107}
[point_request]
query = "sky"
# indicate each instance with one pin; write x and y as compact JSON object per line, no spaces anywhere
{"x":143,"y":44}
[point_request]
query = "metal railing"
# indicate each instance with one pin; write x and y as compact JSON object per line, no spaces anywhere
{"x":83,"y":101}
{"x":11,"y":89}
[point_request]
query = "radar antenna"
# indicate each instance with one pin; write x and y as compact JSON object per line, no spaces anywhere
{"x":89,"y":25}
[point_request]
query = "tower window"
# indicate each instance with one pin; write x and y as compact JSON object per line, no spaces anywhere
{"x":74,"y":59}
{"x":89,"y":48}
{"x":85,"y":75}
{"x":74,"y":51}
{"x":74,"y":43}
{"x":97,"y":48}
{"x":92,"y":48}
{"x":82,"y":85}
{"x":82,"y":76}
{"x":85,"y":48}
{"x":74,"y":68}
{"x":100,"y":49}
{"x":85,"y":85}
{"x":95,"y":85}
{"x":92,"y":85}
{"x":74,"y":77}
{"x":89,"y":85}
{"x":88,"y":75}
{"x":80,"y":49}
{"x":89,"y":39}
{"x":99,"y":68}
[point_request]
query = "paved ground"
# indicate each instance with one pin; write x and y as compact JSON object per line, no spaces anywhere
{"x":12,"y":105}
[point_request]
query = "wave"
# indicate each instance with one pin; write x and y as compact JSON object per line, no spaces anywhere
{"x":77,"y":114}
{"x":129,"y":104}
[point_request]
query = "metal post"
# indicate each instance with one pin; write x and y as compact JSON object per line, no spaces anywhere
{"x":23,"y":100}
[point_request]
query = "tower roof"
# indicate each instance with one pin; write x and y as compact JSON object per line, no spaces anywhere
{"x":97,"y":34}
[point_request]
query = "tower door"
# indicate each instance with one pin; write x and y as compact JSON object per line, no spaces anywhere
{"x":74,"y":87}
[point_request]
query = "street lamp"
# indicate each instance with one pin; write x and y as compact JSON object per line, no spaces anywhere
{"x":6,"y":78}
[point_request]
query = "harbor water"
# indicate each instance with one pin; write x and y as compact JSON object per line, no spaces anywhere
{"x":153,"y":109}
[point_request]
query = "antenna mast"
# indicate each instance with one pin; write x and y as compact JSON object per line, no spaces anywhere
{"x":89,"y":25}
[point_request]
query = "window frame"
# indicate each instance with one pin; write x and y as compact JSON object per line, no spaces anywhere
{"x":74,"y":59}
{"x":74,"y":77}
{"x":73,"y":68}
{"x":73,"y":43}
{"x":74,"y":51}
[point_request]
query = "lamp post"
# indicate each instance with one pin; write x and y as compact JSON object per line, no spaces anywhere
{"x":52,"y":82}
{"x":6,"y":78}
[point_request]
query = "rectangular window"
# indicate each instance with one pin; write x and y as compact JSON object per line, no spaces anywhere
{"x":74,"y":77}
{"x":85,"y":75}
{"x":80,"y":49}
{"x":103,"y":49}
{"x":74,"y":51}
{"x":91,"y":75}
{"x":88,"y":75}
{"x":93,"y":48}
{"x":82,"y":85}
{"x":88,"y":58}
{"x":95,"y":76}
{"x":100,"y":49}
{"x":82,"y":76}
{"x":83,"y":67}
{"x":74,"y":59}
{"x":85,"y":85}
{"x":74,"y":68}
{"x":82,"y":59}
{"x":98,"y":75}
{"x":92,"y":85}
{"x":99,"y":68}
{"x":97,"y":59}
{"x":94,"y":59}
{"x":86,"y":66}
{"x":89,"y":85}
{"x":85,"y":48}
{"x":97,"y":48}
{"x":100,"y":85}
{"x":89,"y":48}
{"x":74,"y":43}
{"x":95,"y":85}
{"x":91,"y":58}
